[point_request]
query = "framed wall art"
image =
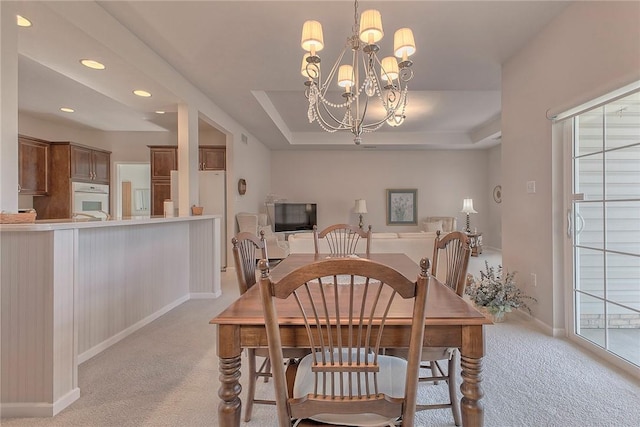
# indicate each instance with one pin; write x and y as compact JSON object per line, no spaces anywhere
{"x":402,"y":207}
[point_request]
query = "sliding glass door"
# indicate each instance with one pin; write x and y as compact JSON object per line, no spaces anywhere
{"x":606,"y":227}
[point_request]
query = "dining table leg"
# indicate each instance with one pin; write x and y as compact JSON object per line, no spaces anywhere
{"x":229,"y":350}
{"x":471,"y":354}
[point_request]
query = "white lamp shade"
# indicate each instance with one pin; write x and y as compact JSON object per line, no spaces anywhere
{"x":312,"y":39}
{"x":361,"y":206}
{"x":371,"y":26}
{"x":403,"y":43}
{"x":467,"y":206}
{"x":345,"y":76}
{"x":389,"y":68}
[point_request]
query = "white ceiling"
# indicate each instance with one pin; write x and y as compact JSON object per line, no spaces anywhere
{"x":245,"y":56}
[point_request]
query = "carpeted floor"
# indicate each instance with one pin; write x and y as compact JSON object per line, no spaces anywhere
{"x":166,"y":374}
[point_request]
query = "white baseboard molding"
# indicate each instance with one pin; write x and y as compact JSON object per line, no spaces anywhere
{"x":548,"y":330}
{"x":205,"y":295}
{"x":39,"y":409}
{"x":83,"y":357}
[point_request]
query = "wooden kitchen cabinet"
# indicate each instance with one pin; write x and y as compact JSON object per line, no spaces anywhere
{"x":212,"y":158}
{"x":33,"y":166}
{"x":164,"y":159}
{"x":70,"y":162}
{"x":89,"y":164}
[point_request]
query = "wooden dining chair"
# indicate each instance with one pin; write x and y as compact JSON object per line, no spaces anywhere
{"x":245,"y":248}
{"x":345,"y":381}
{"x":342,"y":239}
{"x":450,"y":262}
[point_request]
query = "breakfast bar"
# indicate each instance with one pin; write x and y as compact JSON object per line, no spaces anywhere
{"x":70,"y":289}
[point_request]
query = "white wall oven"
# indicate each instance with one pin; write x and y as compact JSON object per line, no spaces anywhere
{"x":90,"y":199}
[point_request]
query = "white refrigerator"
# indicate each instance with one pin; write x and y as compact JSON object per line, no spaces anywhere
{"x":212,"y":197}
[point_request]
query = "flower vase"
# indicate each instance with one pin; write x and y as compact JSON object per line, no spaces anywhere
{"x":498,"y":317}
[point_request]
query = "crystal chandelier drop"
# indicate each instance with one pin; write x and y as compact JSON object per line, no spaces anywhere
{"x":365,"y":78}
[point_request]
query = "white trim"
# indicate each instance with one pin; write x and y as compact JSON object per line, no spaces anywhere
{"x":205,"y":295}
{"x":39,"y":409}
{"x":128,"y":331}
{"x":608,"y":357}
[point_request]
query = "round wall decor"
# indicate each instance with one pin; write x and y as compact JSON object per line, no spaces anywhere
{"x":242,"y":186}
{"x":497,"y":194}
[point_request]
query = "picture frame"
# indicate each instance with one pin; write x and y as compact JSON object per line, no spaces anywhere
{"x":402,"y":206}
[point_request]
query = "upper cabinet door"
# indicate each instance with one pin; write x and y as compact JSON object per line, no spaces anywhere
{"x":101,"y":166}
{"x":33,"y":160}
{"x":163,"y":161}
{"x":212,"y":158}
{"x":81,"y":160}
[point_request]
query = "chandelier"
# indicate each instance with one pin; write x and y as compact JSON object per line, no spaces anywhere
{"x":366,"y":78}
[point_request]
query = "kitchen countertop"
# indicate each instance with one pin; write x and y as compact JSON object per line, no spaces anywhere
{"x":71,"y":223}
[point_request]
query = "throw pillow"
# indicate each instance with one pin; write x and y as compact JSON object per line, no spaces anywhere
{"x":433,"y":226}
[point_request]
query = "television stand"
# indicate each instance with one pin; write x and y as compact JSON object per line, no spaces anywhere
{"x":288,"y":233}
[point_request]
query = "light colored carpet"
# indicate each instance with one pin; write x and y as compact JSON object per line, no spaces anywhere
{"x":166,"y":374}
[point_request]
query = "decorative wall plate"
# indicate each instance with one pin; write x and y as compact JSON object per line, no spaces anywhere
{"x":242,"y":186}
{"x":497,"y":193}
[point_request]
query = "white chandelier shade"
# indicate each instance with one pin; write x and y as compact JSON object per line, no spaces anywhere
{"x":365,"y":79}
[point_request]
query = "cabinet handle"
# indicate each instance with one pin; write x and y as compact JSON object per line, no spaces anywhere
{"x":19,"y":188}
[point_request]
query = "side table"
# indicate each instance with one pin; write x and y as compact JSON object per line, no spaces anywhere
{"x":475,"y":243}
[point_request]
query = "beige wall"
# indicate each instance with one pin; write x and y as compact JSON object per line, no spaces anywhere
{"x":589,"y":50}
{"x":334,"y":179}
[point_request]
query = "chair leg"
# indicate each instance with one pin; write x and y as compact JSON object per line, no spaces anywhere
{"x":267,"y":370}
{"x":453,"y":395}
{"x":251,"y":390}
{"x":434,"y":372}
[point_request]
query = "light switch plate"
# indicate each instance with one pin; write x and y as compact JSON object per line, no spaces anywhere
{"x":531,"y":186}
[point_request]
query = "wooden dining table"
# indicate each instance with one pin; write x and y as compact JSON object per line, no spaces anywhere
{"x":450,"y":322}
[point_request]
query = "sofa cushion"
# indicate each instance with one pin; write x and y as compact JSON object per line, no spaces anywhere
{"x":419,"y":235}
{"x":432,"y":226}
{"x":384,"y":235}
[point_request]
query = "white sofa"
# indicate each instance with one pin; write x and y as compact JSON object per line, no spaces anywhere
{"x":416,"y":245}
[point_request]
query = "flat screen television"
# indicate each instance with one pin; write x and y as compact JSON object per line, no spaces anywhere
{"x":294,"y":216}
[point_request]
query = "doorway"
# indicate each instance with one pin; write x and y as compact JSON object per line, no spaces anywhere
{"x":131,"y":193}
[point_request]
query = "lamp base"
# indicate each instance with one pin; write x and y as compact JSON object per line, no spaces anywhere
{"x":467,"y":226}
{"x":360,"y":224}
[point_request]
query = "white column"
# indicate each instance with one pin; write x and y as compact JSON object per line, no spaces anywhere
{"x":187,"y":158}
{"x":8,"y":108}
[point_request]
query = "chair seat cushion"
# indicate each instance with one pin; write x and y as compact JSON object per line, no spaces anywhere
{"x":391,"y":381}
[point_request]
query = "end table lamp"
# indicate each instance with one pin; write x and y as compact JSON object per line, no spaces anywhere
{"x":361,"y":208}
{"x":467,"y":208}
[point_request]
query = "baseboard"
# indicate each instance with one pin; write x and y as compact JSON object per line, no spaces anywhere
{"x":205,"y":295}
{"x":546,"y":329}
{"x":83,"y":357}
{"x":39,"y":409}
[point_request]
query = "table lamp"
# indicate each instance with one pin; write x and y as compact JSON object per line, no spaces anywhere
{"x":467,"y":208}
{"x":361,"y":208}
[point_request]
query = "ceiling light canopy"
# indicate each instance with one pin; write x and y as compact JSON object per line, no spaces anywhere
{"x":22,"y":21}
{"x":90,"y":63}
{"x":365,"y":78}
{"x":142,"y":93}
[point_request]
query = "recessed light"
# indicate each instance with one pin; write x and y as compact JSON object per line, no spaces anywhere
{"x":67,"y":109}
{"x":22,"y":21}
{"x":142,"y":93}
{"x":90,"y":63}
{"x":159,"y":112}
